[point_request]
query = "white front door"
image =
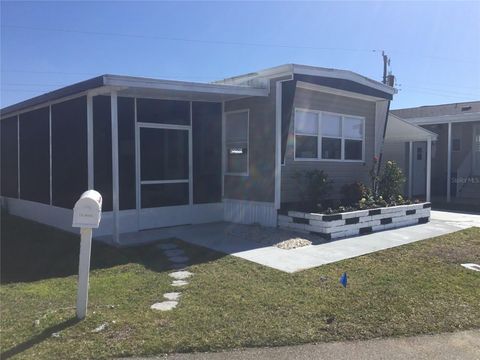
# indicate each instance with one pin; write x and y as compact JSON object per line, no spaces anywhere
{"x":476,"y":150}
{"x":419,"y":168}
{"x":165,"y":175}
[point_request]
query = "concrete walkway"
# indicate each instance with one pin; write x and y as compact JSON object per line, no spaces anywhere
{"x":217,"y":236}
{"x":463,"y":345}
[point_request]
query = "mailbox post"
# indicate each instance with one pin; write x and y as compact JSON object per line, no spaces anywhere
{"x":86,"y":215}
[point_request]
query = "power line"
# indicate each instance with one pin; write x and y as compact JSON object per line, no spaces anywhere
{"x":223,"y":42}
{"x":167,"y":38}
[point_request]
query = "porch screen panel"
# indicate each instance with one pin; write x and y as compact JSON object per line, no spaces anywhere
{"x":126,"y":152}
{"x":69,"y":151}
{"x":9,"y":157}
{"x":102,"y":149}
{"x":35,"y":156}
{"x":164,"y":167}
{"x":157,"y":195}
{"x":174,"y":112}
{"x":163,"y":154}
{"x":207,"y":152}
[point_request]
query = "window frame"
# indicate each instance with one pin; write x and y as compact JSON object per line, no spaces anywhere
{"x":225,"y":145}
{"x":320,"y":136}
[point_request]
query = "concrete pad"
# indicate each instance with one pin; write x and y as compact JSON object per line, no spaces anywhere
{"x":164,"y":306}
{"x":172,"y":296}
{"x":180,"y":275}
{"x":167,"y":246}
{"x":218,"y":237}
{"x":179,"y":282}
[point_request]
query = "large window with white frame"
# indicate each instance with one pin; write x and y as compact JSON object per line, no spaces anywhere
{"x":328,"y":136}
{"x":236,"y":142}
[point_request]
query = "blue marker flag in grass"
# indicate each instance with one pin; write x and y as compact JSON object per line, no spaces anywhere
{"x":343,"y":279}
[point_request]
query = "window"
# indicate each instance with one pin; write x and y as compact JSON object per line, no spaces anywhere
{"x":331,"y":136}
{"x":327,"y":136}
{"x":236,"y":142}
{"x":353,"y":134}
{"x":306,"y":134}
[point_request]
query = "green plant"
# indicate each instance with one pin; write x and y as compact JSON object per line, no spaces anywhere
{"x":352,"y":193}
{"x":313,"y":185}
{"x":391,"y":182}
{"x":374,"y":177}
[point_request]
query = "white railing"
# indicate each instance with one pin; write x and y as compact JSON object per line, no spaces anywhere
{"x":463,"y":172}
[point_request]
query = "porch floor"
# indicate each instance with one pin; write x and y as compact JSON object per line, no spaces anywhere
{"x":216,"y":236}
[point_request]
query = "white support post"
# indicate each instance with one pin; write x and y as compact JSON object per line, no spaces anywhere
{"x":115,"y":184}
{"x":429,"y":167}
{"x":90,"y":140}
{"x":278,"y":143}
{"x":83,"y":271}
{"x":410,"y":169}
{"x":449,"y":160}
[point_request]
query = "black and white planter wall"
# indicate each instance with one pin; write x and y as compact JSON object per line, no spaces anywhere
{"x":358,"y":222}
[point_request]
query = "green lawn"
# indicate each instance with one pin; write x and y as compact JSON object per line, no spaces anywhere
{"x":229,"y":303}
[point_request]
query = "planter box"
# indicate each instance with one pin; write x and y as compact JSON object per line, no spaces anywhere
{"x":360,"y":222}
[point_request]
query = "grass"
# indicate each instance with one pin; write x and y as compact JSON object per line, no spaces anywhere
{"x":230,"y":303}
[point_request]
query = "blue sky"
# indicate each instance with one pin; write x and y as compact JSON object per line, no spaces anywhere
{"x":434,"y":46}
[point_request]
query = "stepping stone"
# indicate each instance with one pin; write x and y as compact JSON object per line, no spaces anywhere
{"x":180,"y":275}
{"x":178,"y":259}
{"x":179,"y":283}
{"x":166,"y":246}
{"x":164,"y":306}
{"x":172,"y":296}
{"x":174,"y":252}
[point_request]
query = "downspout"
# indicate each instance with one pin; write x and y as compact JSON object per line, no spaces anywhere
{"x":390,"y":81}
{"x":383,"y":139}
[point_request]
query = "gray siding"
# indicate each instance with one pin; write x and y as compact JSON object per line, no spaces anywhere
{"x":259,"y":185}
{"x":340,"y":172}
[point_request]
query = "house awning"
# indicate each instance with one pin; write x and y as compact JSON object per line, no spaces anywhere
{"x":400,"y":130}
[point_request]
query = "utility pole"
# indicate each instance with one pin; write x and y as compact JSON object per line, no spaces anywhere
{"x":386,"y":63}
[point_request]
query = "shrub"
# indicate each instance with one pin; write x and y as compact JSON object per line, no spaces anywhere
{"x":313,"y":185}
{"x":352,"y":193}
{"x":391,"y":182}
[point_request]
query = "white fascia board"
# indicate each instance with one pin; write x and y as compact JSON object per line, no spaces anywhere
{"x":444,"y":119}
{"x":134,"y":82}
{"x":343,"y":74}
{"x":417,"y":132}
{"x":290,"y":69}
{"x":277,"y":71}
{"x":330,"y":90}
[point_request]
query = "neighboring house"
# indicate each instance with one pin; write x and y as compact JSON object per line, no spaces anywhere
{"x":165,"y":153}
{"x":455,"y":155}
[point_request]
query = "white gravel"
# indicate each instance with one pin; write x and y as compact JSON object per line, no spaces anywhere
{"x":280,"y":238}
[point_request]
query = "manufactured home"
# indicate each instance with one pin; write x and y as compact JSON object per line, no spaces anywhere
{"x":164,"y":153}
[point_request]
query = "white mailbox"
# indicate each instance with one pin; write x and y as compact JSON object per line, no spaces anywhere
{"x":88,"y":210}
{"x":86,"y":215}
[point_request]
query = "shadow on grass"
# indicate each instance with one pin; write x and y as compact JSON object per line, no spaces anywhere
{"x":31,"y":251}
{"x":44,"y":335}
